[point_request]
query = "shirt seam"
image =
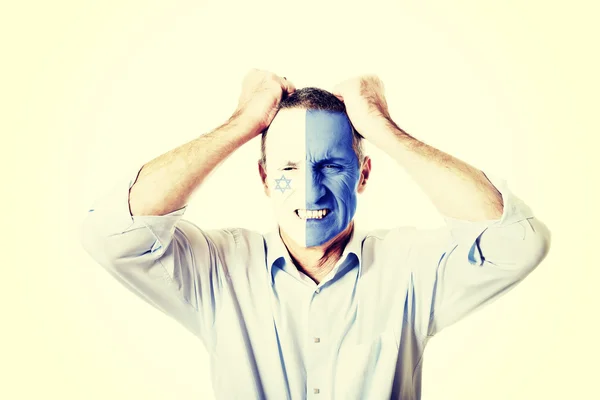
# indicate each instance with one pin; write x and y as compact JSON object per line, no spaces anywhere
{"x":170,"y":278}
{"x":193,"y":271}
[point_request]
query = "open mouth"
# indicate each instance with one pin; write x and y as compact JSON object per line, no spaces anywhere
{"x":312,"y":214}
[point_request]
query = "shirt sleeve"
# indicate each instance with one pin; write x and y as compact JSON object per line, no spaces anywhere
{"x":163,"y":259}
{"x":467,"y":265}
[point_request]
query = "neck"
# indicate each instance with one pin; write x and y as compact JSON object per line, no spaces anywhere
{"x":318,"y":261}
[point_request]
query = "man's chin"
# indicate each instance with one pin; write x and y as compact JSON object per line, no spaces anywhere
{"x":318,"y":242}
{"x":307,"y":237}
{"x":327,"y":239}
{"x":303,"y":238}
{"x":295,"y":233}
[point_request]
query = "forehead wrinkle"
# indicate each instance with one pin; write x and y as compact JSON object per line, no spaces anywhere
{"x":328,"y":148}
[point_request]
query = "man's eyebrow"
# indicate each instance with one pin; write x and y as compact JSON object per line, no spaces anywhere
{"x":334,"y":160}
{"x":291,"y":164}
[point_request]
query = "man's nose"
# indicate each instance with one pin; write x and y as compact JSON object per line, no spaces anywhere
{"x":315,"y":190}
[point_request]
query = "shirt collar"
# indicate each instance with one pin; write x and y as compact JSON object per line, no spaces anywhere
{"x":277,"y":252}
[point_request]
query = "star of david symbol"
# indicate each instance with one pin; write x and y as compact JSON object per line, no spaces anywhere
{"x":280,"y":183}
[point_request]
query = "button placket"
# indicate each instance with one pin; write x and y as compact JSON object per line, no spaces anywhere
{"x":316,"y":352}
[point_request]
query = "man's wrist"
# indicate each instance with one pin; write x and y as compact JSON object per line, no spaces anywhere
{"x":383,"y":131}
{"x":243,"y":125}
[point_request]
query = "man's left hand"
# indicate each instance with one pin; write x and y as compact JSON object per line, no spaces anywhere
{"x":365,"y":104}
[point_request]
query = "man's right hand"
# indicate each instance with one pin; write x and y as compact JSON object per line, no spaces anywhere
{"x":166,"y":183}
{"x":262,"y":92}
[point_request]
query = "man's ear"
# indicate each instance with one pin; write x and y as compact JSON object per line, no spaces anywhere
{"x":365,"y":171}
{"x":263,"y":177}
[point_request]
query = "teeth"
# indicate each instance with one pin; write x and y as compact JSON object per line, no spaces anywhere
{"x":311,"y":214}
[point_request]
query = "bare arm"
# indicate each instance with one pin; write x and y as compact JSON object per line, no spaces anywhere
{"x":168,"y":263}
{"x":166,"y":183}
{"x":491,"y":240}
{"x":457,"y":189}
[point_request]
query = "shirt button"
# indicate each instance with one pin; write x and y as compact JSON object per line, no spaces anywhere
{"x":318,"y":290}
{"x":317,"y":340}
{"x":316,"y":390}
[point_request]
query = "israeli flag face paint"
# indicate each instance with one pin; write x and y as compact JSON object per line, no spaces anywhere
{"x":312,"y":173}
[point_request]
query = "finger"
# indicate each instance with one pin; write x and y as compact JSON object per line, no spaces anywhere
{"x":287,"y":85}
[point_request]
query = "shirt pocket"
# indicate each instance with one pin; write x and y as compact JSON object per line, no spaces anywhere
{"x":364,"y":364}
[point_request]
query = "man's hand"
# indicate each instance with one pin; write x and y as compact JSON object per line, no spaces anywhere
{"x":262,"y":92}
{"x":365,"y":103}
{"x":457,"y":189}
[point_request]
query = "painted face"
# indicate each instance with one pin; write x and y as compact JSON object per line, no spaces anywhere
{"x":312,"y":173}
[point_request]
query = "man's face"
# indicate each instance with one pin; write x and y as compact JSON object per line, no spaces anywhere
{"x":312,"y":174}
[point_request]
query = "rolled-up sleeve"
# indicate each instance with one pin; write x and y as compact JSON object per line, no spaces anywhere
{"x":169,"y":263}
{"x":477,"y":262}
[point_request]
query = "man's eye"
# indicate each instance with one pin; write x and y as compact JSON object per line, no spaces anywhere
{"x":331,"y":166}
{"x":288,"y":168}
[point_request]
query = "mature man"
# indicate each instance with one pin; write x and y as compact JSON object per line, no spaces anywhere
{"x":317,"y":308}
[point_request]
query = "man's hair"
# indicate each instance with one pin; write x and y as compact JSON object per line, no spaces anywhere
{"x":311,"y":98}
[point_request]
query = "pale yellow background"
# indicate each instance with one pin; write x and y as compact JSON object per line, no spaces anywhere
{"x":90,"y":90}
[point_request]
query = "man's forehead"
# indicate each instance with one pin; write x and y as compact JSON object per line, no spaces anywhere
{"x":292,"y":130}
{"x":286,"y":134}
{"x":287,"y":123}
{"x":327,"y":128}
{"x":288,"y":117}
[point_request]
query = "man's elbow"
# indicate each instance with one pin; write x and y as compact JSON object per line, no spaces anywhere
{"x":99,"y":241}
{"x":519,"y":247}
{"x":537,"y":244}
{"x":90,"y":239}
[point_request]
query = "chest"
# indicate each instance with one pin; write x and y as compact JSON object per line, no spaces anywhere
{"x":284,"y":336}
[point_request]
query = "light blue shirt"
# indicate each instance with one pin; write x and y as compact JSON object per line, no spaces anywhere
{"x":273,"y":333}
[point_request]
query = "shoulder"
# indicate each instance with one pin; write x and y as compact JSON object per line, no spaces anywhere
{"x":224,"y":240}
{"x":390,"y":236}
{"x":390,"y":233}
{"x":406,"y":237}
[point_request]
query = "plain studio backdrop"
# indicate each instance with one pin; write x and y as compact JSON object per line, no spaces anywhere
{"x":91,"y":91}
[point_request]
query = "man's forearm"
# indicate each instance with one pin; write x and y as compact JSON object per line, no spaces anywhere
{"x":457,"y":189}
{"x":166,"y":183}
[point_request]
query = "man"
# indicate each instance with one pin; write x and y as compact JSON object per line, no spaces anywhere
{"x":318,"y":308}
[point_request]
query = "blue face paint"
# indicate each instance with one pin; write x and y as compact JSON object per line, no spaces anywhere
{"x":332,"y":174}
